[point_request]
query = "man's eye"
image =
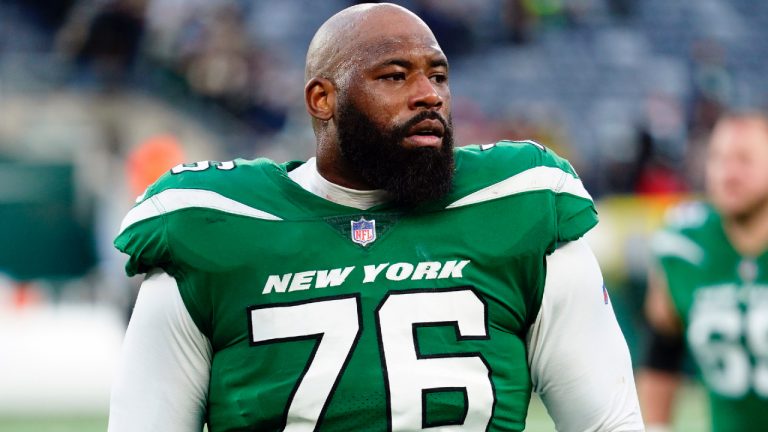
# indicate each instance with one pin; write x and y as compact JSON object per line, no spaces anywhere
{"x":398,"y":76}
{"x":440,"y":78}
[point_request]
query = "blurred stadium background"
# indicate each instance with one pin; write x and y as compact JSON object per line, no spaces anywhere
{"x":98,"y":97}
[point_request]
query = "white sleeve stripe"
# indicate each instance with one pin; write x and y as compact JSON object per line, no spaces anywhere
{"x":539,"y":178}
{"x":176,"y":199}
{"x":666,"y":243}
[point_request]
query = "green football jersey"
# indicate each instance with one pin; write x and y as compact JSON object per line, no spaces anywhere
{"x":722,"y":298}
{"x":325,"y":317}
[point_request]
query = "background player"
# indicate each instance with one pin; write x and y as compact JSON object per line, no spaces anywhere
{"x":711,"y":286}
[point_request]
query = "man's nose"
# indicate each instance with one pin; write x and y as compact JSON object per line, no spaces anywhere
{"x":425,"y":95}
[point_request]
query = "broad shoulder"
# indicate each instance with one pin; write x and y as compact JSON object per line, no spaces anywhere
{"x":688,"y":228}
{"x":225,"y":178}
{"x":513,"y":166}
{"x":506,"y":158}
{"x":239,"y":187}
{"x":547,"y":186}
{"x":690,"y":216}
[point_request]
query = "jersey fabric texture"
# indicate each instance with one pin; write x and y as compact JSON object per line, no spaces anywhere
{"x":325,"y":317}
{"x":722,"y":299}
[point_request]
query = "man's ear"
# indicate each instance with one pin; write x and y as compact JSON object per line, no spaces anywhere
{"x":320,"y":98}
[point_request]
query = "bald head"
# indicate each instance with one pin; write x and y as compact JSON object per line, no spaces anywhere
{"x":346,"y":39}
{"x":377,"y":90}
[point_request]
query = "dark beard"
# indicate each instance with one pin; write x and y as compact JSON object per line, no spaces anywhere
{"x":376,"y":155}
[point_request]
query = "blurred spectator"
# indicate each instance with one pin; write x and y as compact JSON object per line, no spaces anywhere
{"x":712,"y":85}
{"x":48,"y":15}
{"x":517,"y":21}
{"x":661,"y":141}
{"x":621,"y":9}
{"x":221,"y":63}
{"x":547,"y":13}
{"x":108,"y":49}
{"x":214,"y":55}
{"x":450,"y":21}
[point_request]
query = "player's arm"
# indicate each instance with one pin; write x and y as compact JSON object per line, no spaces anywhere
{"x":162,"y":380}
{"x":579,"y":360}
{"x":660,"y":377}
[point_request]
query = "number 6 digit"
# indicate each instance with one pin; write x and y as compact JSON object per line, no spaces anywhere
{"x":410,"y":375}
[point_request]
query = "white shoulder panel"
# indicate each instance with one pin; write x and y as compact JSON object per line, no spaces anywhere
{"x":176,"y":199}
{"x":666,"y":243}
{"x":538,"y":178}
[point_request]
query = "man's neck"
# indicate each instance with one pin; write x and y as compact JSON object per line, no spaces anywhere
{"x":308,"y":177}
{"x":333,"y":168}
{"x":749,"y":233}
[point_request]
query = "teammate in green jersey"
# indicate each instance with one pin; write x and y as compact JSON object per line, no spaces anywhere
{"x":711,"y":286}
{"x":389,"y":283}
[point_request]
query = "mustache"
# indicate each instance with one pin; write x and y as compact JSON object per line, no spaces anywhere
{"x":420,"y":117}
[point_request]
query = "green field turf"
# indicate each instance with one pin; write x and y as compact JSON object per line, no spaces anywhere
{"x":53,"y":424}
{"x":691,"y":417}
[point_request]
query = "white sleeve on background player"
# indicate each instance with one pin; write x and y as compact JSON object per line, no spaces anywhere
{"x":580,"y":363}
{"x":162,"y":380}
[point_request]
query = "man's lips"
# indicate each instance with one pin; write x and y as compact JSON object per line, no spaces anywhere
{"x":427,"y":133}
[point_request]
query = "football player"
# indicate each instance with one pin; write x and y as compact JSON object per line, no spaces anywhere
{"x":392,"y":282}
{"x":710,"y":287}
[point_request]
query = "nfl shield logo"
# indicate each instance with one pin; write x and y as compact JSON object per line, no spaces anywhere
{"x":363,"y":231}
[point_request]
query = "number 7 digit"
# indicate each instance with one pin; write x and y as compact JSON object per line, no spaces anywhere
{"x":335,"y":324}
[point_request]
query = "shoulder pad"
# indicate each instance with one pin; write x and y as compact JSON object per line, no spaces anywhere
{"x":689,"y":214}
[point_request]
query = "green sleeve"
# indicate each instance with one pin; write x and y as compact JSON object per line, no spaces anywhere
{"x":576,"y":213}
{"x":146,"y":246}
{"x":575,"y":216}
{"x":143,"y":238}
{"x":144,"y":233}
